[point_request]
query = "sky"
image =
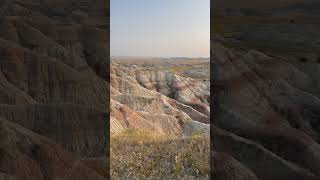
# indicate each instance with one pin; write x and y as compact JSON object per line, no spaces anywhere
{"x":160,"y":28}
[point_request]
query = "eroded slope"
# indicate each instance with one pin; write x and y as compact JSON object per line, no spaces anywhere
{"x":158,"y":100}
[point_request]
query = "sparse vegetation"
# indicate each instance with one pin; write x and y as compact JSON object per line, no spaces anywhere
{"x":141,"y":154}
{"x":176,"y":69}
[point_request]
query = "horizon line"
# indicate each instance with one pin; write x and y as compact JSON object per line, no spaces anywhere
{"x":158,"y":56}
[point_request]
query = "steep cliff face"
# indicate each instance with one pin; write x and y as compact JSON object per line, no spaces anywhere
{"x":157,"y":100}
{"x":53,"y":79}
{"x":269,"y":104}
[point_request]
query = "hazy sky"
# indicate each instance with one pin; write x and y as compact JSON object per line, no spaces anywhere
{"x":165,"y":28}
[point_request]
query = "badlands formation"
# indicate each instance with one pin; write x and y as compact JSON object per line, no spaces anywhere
{"x":265,"y":68}
{"x":158,"y":99}
{"x":160,"y":111}
{"x":267,"y":113}
{"x":54,"y":94}
{"x":53,"y":89}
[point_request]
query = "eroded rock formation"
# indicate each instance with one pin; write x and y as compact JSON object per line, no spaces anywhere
{"x":157,"y":100}
{"x":267,"y":112}
{"x":53,"y":88}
